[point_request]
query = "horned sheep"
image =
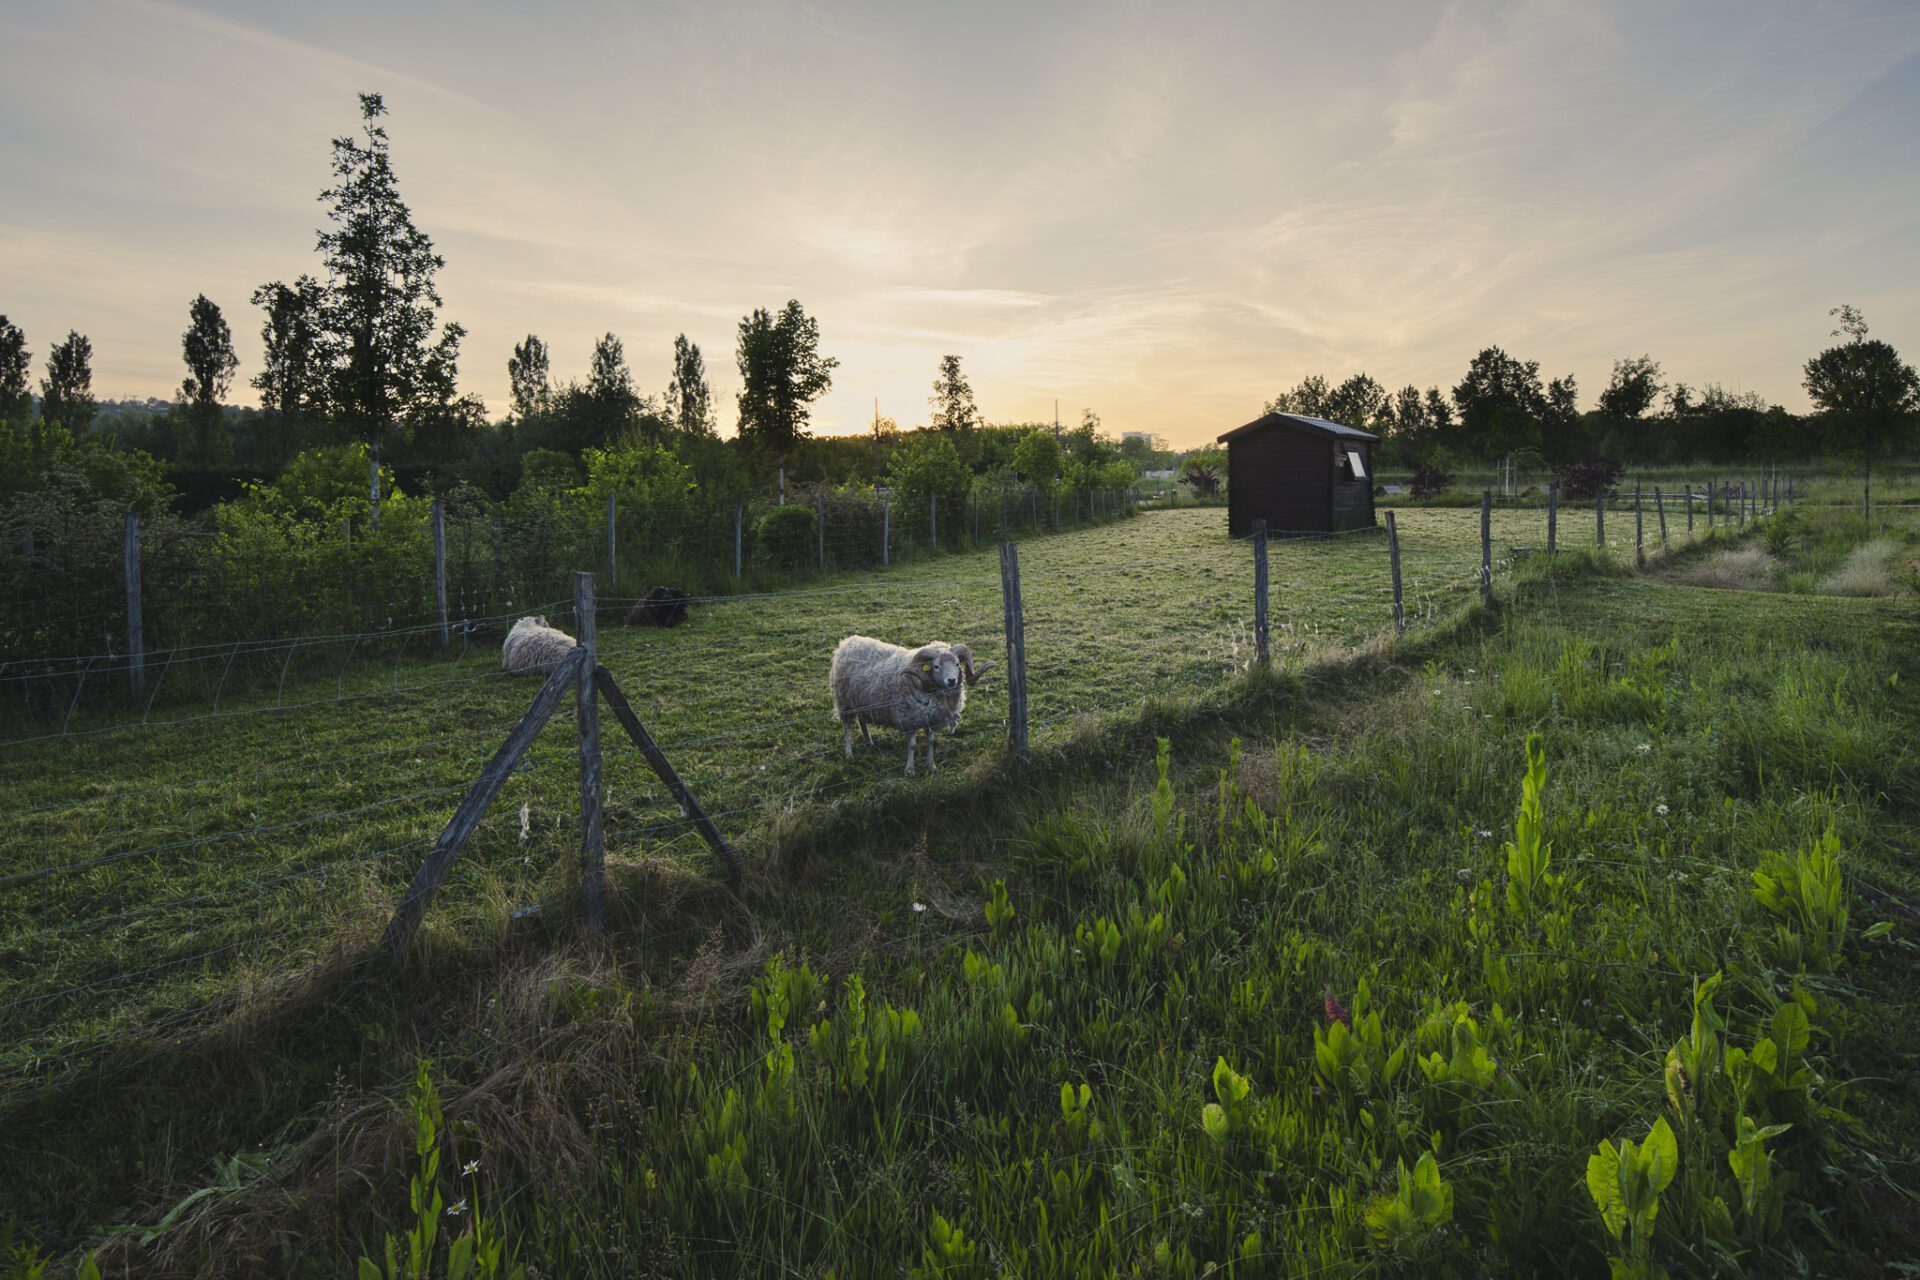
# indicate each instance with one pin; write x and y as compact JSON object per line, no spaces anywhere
{"x":913,"y":690}
{"x":533,"y":648}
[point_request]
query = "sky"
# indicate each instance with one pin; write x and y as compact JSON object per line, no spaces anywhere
{"x":1167,"y":213}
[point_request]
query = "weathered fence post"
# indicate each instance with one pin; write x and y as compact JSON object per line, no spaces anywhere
{"x":593,"y":818}
{"x":1689,"y":508}
{"x":933,"y":521}
{"x":1553,"y":520}
{"x":1660,"y":505}
{"x":820,"y":527}
{"x":440,"y":566}
{"x":973,"y":514}
{"x":886,"y":528}
{"x":1486,"y":544}
{"x":613,"y":564}
{"x":1393,"y":559}
{"x":1639,"y":529}
{"x":1016,"y":624}
{"x":373,"y":481}
{"x":783,"y":484}
{"x":739,"y":518}
{"x":1710,"y":516}
{"x":1260,"y":592}
{"x":1600,"y":517}
{"x":136,"y":626}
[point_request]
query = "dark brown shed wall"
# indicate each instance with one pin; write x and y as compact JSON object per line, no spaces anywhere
{"x":1352,"y":499}
{"x":1279,"y":476}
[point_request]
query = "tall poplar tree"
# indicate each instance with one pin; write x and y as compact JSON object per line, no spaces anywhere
{"x":382,"y":307}
{"x":293,"y":375}
{"x":689,"y":399}
{"x":66,"y":393}
{"x":207,"y":348}
{"x":16,"y":401}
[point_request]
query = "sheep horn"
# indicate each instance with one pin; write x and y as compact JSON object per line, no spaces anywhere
{"x":965,"y":655}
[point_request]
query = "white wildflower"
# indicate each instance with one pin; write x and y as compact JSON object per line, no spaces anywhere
{"x":470,"y":1168}
{"x":457,"y":1208}
{"x":1660,"y":809}
{"x":1644,"y":747}
{"x":919,"y":907}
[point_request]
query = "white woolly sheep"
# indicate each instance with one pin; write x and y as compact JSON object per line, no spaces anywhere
{"x":533,"y":648}
{"x":912,"y":690}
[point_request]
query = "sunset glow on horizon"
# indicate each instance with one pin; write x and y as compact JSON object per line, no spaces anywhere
{"x":1167,"y":214}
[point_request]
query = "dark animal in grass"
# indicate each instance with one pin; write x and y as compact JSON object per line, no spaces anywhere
{"x":660,"y":607}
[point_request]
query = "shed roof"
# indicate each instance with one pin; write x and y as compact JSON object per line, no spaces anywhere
{"x":1300,"y":422}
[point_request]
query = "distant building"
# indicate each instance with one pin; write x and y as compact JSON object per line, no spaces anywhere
{"x":1144,"y":437}
{"x":1299,"y":474}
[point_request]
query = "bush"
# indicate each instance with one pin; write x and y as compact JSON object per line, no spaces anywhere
{"x":1587,"y":479}
{"x":1428,"y":481}
{"x":785,"y":537}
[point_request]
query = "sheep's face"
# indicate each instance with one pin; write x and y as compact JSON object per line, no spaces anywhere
{"x":936,"y":670}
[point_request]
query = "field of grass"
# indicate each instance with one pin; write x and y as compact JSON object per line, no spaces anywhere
{"x":1342,"y":999}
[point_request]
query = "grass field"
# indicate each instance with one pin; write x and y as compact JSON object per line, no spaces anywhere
{"x":634,"y":1107}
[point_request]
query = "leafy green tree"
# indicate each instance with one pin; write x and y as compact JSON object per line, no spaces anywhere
{"x":1867,"y":396}
{"x":16,"y":401}
{"x":1205,"y":470}
{"x":1496,"y":381}
{"x":529,"y":373}
{"x":926,"y":463}
{"x":1633,"y":389}
{"x":782,"y":372}
{"x":66,"y":393}
{"x":1358,"y":402}
{"x":381,"y":303}
{"x":689,"y":398}
{"x":1310,"y":399}
{"x":952,"y":398}
{"x":292,"y":379}
{"x":1037,"y":457}
{"x":207,"y":348}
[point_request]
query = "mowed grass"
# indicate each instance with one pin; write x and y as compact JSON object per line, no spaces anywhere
{"x":276,"y":801}
{"x":856,"y":1065}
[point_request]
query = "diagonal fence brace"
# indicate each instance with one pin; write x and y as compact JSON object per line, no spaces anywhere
{"x":433,"y":869}
{"x":623,"y":712}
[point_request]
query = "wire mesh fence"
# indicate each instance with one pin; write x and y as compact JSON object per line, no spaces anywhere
{"x":159,"y":861}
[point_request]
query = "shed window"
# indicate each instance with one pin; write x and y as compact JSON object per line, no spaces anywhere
{"x":1356,"y":465}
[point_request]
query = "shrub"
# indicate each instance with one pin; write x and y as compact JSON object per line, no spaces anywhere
{"x":785,"y":537}
{"x":1203,"y":471}
{"x":1587,"y":479}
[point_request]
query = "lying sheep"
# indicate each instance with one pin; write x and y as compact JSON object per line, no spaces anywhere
{"x":660,"y":607}
{"x":913,"y":690}
{"x":533,"y":648}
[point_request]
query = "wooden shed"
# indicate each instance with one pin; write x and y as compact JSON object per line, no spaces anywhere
{"x":1300,"y":475}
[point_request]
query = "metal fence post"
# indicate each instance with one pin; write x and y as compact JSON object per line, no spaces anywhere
{"x":1393,"y":559}
{"x":1260,"y":651}
{"x":1709,"y":502}
{"x":1016,"y":627}
{"x":440,"y":566}
{"x":136,"y":626}
{"x":1486,"y":544}
{"x":593,"y":834}
{"x":613,"y":565}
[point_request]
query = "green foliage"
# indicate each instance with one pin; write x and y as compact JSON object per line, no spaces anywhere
{"x":781,"y":373}
{"x":1407,"y":1222}
{"x":548,"y":470}
{"x":66,"y":393}
{"x":1625,"y":1181}
{"x":926,"y":464}
{"x":786,"y":537}
{"x":1806,"y":892}
{"x":999,"y":910}
{"x":1037,"y":457}
{"x":16,"y":401}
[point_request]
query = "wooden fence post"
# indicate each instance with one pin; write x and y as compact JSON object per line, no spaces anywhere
{"x":933,"y":521}
{"x":1689,"y":508}
{"x":1393,"y":559}
{"x":136,"y":625}
{"x":1600,"y":517}
{"x":593,"y":817}
{"x":1639,"y":529}
{"x":1553,"y":519}
{"x":886,"y":529}
{"x":613,"y":564}
{"x":739,"y":518}
{"x":783,"y":484}
{"x":1016,"y":625}
{"x":440,"y":566}
{"x":1660,"y":505}
{"x":1486,"y":544}
{"x":1260,"y":651}
{"x":433,"y":868}
{"x":820,"y":527}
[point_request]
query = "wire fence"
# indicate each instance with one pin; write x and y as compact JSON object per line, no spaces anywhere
{"x":157,"y":862}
